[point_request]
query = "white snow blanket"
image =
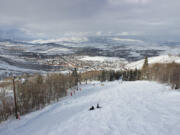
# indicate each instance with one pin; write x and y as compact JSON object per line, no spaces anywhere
{"x":128,"y":108}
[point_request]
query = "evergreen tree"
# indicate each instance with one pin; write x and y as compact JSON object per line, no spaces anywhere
{"x":145,"y":69}
{"x":75,"y":75}
{"x":103,"y":76}
{"x":145,"y":65}
{"x":112,"y":76}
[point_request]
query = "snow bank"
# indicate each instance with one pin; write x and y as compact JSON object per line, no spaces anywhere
{"x":129,"y":108}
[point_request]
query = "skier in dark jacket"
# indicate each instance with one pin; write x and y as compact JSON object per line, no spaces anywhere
{"x":98,"y":106}
{"x":92,"y":108}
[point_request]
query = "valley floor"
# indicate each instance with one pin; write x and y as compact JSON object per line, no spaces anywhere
{"x":128,"y":108}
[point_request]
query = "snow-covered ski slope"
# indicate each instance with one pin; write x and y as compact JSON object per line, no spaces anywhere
{"x":128,"y":108}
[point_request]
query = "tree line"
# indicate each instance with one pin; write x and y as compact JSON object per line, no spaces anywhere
{"x":162,"y":72}
{"x":37,"y":91}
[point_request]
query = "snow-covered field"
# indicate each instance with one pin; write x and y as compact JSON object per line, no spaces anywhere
{"x":128,"y":108}
{"x":102,"y":59}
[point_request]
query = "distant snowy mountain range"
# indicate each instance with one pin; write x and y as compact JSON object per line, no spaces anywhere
{"x":116,"y":46}
{"x":26,"y":56}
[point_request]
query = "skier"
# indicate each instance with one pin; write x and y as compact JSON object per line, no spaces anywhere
{"x":92,"y":108}
{"x":98,"y":106}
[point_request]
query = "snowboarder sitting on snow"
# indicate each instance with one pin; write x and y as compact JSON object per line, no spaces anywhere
{"x":92,"y":108}
{"x":98,"y":106}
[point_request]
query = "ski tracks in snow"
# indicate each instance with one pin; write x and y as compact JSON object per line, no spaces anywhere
{"x":128,"y":108}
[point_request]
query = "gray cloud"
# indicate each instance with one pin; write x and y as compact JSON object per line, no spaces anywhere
{"x":54,"y":17}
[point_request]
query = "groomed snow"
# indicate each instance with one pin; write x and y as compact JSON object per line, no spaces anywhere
{"x":128,"y":108}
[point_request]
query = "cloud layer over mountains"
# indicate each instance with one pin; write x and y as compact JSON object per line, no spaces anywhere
{"x":55,"y":17}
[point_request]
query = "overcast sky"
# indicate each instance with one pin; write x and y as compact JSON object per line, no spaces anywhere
{"x":158,"y":18}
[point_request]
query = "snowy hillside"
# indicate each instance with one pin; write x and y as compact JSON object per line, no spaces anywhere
{"x":102,"y":59}
{"x":152,"y":60}
{"x":61,"y":40}
{"x":128,"y":108}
